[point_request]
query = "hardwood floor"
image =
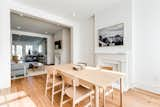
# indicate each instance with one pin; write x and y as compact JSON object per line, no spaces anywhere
{"x":29,"y":92}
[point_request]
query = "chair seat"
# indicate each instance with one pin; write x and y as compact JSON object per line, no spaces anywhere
{"x":81,"y":92}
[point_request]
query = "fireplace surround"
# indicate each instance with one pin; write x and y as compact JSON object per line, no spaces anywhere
{"x":119,"y":63}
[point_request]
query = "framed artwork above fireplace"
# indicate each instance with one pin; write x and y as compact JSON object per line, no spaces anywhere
{"x":111,"y":36}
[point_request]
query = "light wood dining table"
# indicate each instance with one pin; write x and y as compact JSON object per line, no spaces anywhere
{"x":98,"y":77}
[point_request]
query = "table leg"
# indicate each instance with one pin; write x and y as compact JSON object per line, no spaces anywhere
{"x":121,"y":93}
{"x":96,"y":96}
{"x":104,"y":97}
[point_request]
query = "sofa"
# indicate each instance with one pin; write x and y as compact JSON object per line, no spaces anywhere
{"x":19,"y":69}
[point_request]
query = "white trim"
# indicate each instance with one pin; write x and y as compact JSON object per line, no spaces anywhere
{"x":29,"y":33}
{"x":146,"y":86}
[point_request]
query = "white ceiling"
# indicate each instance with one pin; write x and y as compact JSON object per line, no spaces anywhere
{"x":66,"y":8}
{"x":33,"y":25}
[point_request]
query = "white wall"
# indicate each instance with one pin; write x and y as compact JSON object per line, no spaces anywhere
{"x":66,"y":46}
{"x":4,"y":44}
{"x":65,"y":36}
{"x":146,"y":41}
{"x":142,"y":23}
{"x":58,"y":35}
{"x":85,"y":47}
{"x":86,"y":41}
{"x":118,"y":13}
{"x":50,"y":43}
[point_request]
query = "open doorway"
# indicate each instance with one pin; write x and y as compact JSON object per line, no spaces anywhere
{"x":36,"y":43}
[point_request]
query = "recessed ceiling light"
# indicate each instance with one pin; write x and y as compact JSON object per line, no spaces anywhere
{"x":18,"y":27}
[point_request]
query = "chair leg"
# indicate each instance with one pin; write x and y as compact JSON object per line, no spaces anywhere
{"x":73,"y":104}
{"x":62,"y":94}
{"x":52,"y":94}
{"x":61,"y":103}
{"x":46,"y":90}
{"x":104,"y":98}
{"x":46,"y":86}
{"x":112,"y":95}
{"x":90,"y":98}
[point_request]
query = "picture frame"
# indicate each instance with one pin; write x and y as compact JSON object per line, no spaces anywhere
{"x":111,"y":36}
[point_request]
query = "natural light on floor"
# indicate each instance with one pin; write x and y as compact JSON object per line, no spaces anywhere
{"x":18,"y":99}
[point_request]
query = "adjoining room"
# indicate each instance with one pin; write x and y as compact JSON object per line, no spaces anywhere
{"x":36,"y":43}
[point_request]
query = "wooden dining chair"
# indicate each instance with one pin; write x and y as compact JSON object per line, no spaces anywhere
{"x":52,"y":81}
{"x":108,"y":90}
{"x":75,"y":92}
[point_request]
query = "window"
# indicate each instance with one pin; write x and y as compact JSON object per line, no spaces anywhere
{"x":19,"y":51}
{"x":13,"y":50}
{"x":29,"y":47}
{"x":40,"y":49}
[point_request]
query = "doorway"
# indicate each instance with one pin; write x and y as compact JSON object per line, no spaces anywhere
{"x":35,"y":43}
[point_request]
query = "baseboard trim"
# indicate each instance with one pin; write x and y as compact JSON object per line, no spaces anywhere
{"x":147,"y":87}
{"x":146,"y":92}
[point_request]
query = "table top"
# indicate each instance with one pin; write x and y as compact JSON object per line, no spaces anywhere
{"x":93,"y":75}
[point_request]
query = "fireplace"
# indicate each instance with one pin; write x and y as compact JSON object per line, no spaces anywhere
{"x":57,"y":58}
{"x":119,"y":63}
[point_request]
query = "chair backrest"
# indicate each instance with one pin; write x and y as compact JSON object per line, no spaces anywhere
{"x":70,"y":79}
{"x":50,"y":69}
{"x":83,"y":63}
{"x":51,"y":72}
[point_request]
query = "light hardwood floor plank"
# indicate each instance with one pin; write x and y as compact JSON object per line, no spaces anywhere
{"x":29,"y":92}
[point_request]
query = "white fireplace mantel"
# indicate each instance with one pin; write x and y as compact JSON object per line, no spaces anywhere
{"x":116,"y":59}
{"x":122,"y":57}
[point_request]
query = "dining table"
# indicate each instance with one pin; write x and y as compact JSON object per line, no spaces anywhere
{"x":100,"y":78}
